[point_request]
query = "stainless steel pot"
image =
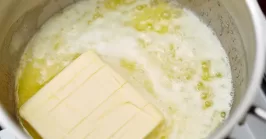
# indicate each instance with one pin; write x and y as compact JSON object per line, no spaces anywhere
{"x":239,"y":25}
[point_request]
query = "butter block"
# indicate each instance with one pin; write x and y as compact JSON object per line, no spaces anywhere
{"x":88,"y":100}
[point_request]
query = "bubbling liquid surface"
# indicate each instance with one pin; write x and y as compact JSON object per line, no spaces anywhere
{"x":163,"y":50}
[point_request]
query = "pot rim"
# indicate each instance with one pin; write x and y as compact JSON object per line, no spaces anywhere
{"x":259,"y":26}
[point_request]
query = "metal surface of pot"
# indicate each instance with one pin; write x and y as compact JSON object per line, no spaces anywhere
{"x":239,"y":25}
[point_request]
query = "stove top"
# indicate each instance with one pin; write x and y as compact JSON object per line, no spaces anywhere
{"x":254,"y":124}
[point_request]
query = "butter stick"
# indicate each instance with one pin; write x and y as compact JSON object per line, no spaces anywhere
{"x":89,"y":100}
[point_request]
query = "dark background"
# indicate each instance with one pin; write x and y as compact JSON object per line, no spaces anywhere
{"x":263,"y":5}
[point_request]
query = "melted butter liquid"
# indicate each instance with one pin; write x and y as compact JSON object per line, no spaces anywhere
{"x":163,"y":50}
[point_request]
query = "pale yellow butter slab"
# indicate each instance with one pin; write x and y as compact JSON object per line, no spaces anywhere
{"x":88,"y":100}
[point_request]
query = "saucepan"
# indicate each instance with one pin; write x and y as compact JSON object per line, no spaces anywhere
{"x":239,"y":25}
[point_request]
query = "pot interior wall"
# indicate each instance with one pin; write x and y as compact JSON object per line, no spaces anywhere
{"x":20,"y":19}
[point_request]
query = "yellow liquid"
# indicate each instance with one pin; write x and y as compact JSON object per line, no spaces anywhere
{"x":31,"y":80}
{"x":153,"y":42}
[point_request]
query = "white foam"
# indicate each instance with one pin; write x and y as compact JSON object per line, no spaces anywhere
{"x":109,"y":37}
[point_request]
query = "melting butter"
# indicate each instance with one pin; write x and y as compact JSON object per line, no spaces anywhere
{"x":173,"y":57}
{"x":89,"y":100}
